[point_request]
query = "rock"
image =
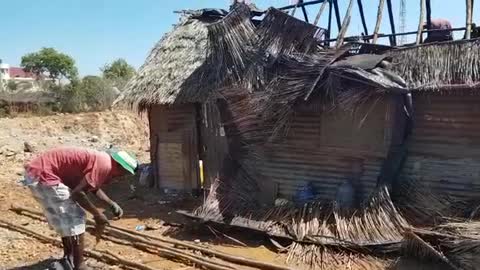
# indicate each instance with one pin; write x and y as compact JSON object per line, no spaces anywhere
{"x":27,"y":147}
{"x":197,"y":241}
{"x":10,"y":154}
{"x":94,"y":139}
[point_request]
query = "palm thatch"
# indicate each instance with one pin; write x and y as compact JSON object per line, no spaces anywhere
{"x":230,"y":42}
{"x":453,"y":63}
{"x":164,"y":77}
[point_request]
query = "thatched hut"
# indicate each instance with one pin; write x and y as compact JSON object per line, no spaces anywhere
{"x":295,"y":112}
{"x":184,"y":127}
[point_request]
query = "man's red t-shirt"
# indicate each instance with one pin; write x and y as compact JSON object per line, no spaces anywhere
{"x":69,"y":165}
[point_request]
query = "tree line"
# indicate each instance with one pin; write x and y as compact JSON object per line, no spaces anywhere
{"x":56,"y":72}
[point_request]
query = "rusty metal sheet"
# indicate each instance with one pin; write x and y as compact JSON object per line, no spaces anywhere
{"x":444,"y":149}
{"x":322,"y":147}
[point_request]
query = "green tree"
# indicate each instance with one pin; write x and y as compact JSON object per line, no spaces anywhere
{"x":50,"y":63}
{"x":119,"y":72}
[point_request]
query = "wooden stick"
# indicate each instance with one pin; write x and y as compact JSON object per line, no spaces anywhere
{"x":330,"y":17}
{"x":468,"y":32}
{"x":320,"y":11}
{"x":345,"y":24}
{"x":392,"y":22}
{"x":174,"y":253}
{"x":304,"y":11}
{"x":218,"y":254}
{"x":295,"y":8}
{"x":362,"y":16}
{"x":429,"y":14}
{"x":337,"y":14}
{"x":381,"y":4}
{"x":109,"y":259}
{"x":420,"y":23}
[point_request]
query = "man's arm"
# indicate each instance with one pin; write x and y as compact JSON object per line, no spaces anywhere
{"x":79,"y":196}
{"x":103,"y":197}
{"x":114,"y":207}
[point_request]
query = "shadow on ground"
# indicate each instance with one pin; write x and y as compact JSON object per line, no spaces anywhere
{"x":33,"y":266}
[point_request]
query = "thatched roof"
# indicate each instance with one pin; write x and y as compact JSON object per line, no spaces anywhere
{"x":432,"y":66}
{"x":161,"y":79}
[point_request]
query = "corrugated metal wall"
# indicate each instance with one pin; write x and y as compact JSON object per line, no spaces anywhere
{"x":174,"y":146}
{"x":324,"y":147}
{"x":213,"y":142}
{"x":444,"y":150}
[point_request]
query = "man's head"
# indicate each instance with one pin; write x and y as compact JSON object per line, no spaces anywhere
{"x":128,"y":162}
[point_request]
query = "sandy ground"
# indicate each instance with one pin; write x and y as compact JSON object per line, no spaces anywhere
{"x":142,"y":206}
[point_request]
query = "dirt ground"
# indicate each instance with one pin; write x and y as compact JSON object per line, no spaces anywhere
{"x":142,"y":206}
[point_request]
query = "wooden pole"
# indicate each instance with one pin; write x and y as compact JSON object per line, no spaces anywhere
{"x":106,"y":258}
{"x":129,"y":234}
{"x":304,"y":11}
{"x":381,"y":4}
{"x":330,"y":15}
{"x":468,"y":32}
{"x":429,"y":14}
{"x":362,"y":16}
{"x":392,"y":22}
{"x":337,"y":14}
{"x":420,"y":23}
{"x":319,"y":14}
{"x":345,"y":24}
{"x":295,"y":8}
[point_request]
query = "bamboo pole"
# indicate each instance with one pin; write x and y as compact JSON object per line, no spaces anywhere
{"x":345,"y":24}
{"x":420,"y":23}
{"x":468,"y":32}
{"x":320,"y":12}
{"x":381,"y":4}
{"x":129,"y":233}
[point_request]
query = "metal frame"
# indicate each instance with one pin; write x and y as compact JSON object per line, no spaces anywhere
{"x":334,"y":10}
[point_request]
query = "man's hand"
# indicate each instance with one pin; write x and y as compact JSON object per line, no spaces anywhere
{"x":101,"y":222}
{"x":116,"y":210}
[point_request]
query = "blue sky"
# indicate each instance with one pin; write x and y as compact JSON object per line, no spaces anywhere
{"x":95,"y":32}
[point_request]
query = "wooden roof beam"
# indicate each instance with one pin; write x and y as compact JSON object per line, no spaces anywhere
{"x":362,"y":16}
{"x":392,"y":22}
{"x":381,"y":4}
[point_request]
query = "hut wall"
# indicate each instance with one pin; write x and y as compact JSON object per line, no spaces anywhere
{"x":213,"y":142}
{"x":181,"y":135}
{"x":444,"y":149}
{"x":325,"y":148}
{"x":173,"y":135}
